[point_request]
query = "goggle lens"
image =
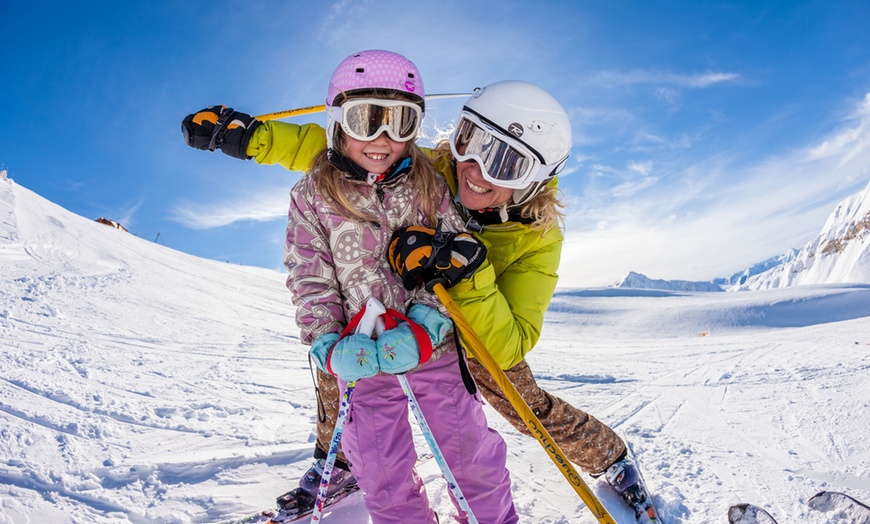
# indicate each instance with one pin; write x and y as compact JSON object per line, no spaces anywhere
{"x":366,"y":119}
{"x":500,"y":160}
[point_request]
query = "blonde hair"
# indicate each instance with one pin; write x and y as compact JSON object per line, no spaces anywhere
{"x":545,"y":210}
{"x":332,"y":182}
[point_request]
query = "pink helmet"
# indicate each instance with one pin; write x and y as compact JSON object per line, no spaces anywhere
{"x":375,"y":69}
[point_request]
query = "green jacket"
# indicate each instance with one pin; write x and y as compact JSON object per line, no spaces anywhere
{"x":506,"y":298}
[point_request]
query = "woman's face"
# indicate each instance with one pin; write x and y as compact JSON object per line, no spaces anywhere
{"x":375,"y":156}
{"x":474,"y":191}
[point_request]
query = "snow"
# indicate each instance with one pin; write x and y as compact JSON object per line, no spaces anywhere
{"x":840,"y":252}
{"x":139,"y":384}
{"x":639,"y":281}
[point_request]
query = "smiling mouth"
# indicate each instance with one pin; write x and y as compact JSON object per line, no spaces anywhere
{"x":476,"y":189}
{"x":377,"y":157}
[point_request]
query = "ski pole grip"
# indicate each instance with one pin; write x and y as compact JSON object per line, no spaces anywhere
{"x":369,"y":321}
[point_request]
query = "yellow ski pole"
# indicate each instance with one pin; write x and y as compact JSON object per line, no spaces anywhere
{"x":534,"y":424}
{"x":287,"y":113}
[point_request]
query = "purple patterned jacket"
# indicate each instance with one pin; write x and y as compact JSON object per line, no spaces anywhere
{"x":336,"y":264}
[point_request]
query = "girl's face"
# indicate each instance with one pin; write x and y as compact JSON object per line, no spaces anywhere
{"x":474,"y":191}
{"x":375,"y":156}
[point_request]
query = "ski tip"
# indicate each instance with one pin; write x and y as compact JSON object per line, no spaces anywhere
{"x":749,"y":514}
{"x":825,"y":501}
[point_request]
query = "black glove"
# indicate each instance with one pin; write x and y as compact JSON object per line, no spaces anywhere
{"x":421,"y":254}
{"x":220,"y":127}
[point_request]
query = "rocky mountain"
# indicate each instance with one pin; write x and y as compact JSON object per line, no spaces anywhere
{"x":741,"y":277}
{"x":839,"y":254}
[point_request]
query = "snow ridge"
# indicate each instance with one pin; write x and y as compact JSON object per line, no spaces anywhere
{"x":839,"y":254}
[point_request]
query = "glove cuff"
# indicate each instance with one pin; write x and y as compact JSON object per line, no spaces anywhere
{"x":232,"y":132}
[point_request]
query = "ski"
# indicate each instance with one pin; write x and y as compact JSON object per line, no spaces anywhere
{"x":282,"y":516}
{"x":749,"y":514}
{"x":293,"y":515}
{"x":646,"y":512}
{"x":844,"y":507}
{"x":276,"y":516}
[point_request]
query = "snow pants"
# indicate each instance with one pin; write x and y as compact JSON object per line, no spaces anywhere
{"x":379,"y":446}
{"x":585,"y":440}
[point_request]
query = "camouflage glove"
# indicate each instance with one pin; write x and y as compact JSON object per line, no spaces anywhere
{"x":220,"y":127}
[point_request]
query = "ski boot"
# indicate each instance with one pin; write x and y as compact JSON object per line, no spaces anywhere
{"x":302,"y":498}
{"x":624,"y":477}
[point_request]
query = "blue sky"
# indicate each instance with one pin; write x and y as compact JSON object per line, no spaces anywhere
{"x":707,"y":135}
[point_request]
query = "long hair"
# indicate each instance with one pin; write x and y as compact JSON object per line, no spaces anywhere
{"x":545,"y":209}
{"x":335,"y":185}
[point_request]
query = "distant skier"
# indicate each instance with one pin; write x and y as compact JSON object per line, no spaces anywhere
{"x":501,"y":165}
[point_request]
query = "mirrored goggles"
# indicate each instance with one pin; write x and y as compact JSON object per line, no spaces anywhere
{"x":366,"y":118}
{"x":504,"y":161}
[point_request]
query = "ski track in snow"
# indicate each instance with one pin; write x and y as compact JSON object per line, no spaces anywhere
{"x":139,"y":384}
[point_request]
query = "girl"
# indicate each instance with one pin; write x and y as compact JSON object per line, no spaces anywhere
{"x":370,"y":181}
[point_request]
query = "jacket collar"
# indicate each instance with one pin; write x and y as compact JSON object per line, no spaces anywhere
{"x":399,"y":169}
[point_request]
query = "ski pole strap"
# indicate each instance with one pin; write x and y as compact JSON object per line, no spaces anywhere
{"x":220,"y":128}
{"x":354,"y":322}
{"x":467,"y":379}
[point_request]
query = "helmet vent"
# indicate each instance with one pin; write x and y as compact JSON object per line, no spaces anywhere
{"x":360,"y":70}
{"x":540,"y":127}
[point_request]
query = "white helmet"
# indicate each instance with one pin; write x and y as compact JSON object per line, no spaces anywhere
{"x":518,"y":133}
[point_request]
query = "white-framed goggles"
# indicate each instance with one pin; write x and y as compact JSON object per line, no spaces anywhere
{"x":504,"y":161}
{"x":366,"y":118}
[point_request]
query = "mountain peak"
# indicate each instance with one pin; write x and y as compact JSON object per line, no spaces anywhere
{"x":640,"y":281}
{"x":840,"y":253}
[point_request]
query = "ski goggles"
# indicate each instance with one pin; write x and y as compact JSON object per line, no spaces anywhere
{"x":504,"y":161}
{"x":366,"y":118}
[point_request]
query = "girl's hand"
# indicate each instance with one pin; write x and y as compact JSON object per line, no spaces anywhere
{"x":398,"y":348}
{"x":351,"y":358}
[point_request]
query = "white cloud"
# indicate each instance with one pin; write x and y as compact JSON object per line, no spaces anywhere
{"x":643,"y":168}
{"x":266,"y":204}
{"x":126,"y":216}
{"x":666,"y":78}
{"x":712,"y":218}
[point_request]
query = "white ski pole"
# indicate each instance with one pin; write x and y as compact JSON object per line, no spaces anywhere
{"x":436,"y":450}
{"x":367,"y":325}
{"x":424,"y":427}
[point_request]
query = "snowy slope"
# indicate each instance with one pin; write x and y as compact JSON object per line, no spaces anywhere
{"x":840,"y":253}
{"x":139,"y":384}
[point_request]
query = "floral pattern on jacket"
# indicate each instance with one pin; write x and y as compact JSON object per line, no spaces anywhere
{"x":335,"y":264}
